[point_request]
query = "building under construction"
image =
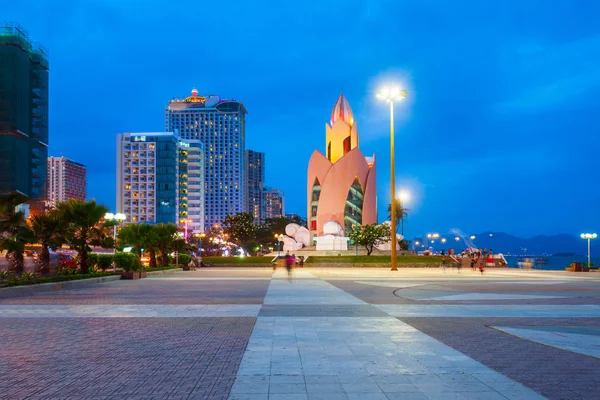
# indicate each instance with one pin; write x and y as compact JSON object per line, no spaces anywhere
{"x":23,"y":114}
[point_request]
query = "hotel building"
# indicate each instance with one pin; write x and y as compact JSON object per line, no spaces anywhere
{"x":160,"y":179}
{"x":273,"y":202}
{"x":220,"y":125}
{"x":66,"y":180}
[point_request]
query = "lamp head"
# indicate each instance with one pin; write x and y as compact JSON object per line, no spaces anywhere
{"x":391,"y":94}
{"x":109,"y":216}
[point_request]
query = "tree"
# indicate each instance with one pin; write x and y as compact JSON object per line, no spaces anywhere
{"x":85,"y":227}
{"x":140,"y":236}
{"x":241,"y":230}
{"x":48,"y":230}
{"x":370,"y":235}
{"x":401,"y":214}
{"x":165,"y":240}
{"x":15,"y":234}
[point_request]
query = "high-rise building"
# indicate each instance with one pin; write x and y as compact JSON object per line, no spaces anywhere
{"x":160,"y":179}
{"x":220,"y":126}
{"x":66,"y":180}
{"x":273,"y":202}
{"x":255,"y":175}
{"x":23,"y":114}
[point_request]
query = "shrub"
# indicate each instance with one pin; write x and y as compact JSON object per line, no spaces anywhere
{"x":184,"y":259}
{"x":92,"y":260}
{"x":28,"y":278}
{"x":105,"y":261}
{"x":127,"y":262}
{"x":4,"y":275}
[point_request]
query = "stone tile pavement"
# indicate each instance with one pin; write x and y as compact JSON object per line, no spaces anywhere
{"x":329,"y":334}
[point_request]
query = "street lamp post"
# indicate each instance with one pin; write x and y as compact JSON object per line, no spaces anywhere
{"x":391,"y":95}
{"x":116,"y":218}
{"x":589,"y":237}
{"x":403,"y":197}
{"x":278,"y":237}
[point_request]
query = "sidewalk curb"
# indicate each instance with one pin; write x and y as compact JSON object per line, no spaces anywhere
{"x":166,"y":271}
{"x":28,"y":290}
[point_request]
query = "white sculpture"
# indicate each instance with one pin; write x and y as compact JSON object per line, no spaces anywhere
{"x":333,"y":237}
{"x":387,"y":246}
{"x":297,"y":237}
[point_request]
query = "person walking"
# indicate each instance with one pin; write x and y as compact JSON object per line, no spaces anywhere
{"x":289,"y":264}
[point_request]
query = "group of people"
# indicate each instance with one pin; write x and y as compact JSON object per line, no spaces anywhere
{"x":472,"y":260}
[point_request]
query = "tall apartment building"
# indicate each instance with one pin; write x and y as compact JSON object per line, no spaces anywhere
{"x":255,"y":175}
{"x":220,"y":126}
{"x":160,"y":179}
{"x":273,"y":202}
{"x":66,"y":180}
{"x":23,"y":114}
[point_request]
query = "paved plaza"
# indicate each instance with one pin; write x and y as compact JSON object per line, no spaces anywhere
{"x":339,"y":333}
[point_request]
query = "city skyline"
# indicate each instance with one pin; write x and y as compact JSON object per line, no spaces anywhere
{"x":503,"y":112}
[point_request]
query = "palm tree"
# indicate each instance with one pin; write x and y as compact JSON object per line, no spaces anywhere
{"x":401,"y":214}
{"x":165,"y":239}
{"x":140,"y":236}
{"x":85,"y":223}
{"x":47,"y":231}
{"x":14,"y":235}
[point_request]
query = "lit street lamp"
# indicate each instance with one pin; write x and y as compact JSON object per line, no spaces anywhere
{"x":403,"y":197}
{"x":391,"y":95}
{"x":589,"y":237}
{"x":278,"y":237}
{"x":116,"y":218}
{"x":472,"y":237}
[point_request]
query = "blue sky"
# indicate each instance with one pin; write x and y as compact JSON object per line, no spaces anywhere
{"x":500,"y":130}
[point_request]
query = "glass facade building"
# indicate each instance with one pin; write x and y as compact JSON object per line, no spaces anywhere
{"x":160,"y":179}
{"x":23,"y":114}
{"x":255,"y":174}
{"x":220,"y":125}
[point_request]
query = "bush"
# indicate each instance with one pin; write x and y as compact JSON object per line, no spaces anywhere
{"x":127,"y":262}
{"x":184,"y":259}
{"x":105,"y":261}
{"x":92,"y":260}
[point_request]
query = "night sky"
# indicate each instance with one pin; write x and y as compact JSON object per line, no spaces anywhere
{"x":500,"y":130}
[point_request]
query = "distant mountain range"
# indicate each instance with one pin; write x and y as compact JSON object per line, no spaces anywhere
{"x":505,"y":243}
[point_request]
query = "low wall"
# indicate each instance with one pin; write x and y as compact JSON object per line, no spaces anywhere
{"x":27,"y":290}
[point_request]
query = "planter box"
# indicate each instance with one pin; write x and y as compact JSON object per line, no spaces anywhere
{"x":143,"y":274}
{"x":187,"y":268}
{"x":130,"y":275}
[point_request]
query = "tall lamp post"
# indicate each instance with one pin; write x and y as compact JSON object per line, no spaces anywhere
{"x":391,"y":95}
{"x":589,"y":237}
{"x":117,"y":219}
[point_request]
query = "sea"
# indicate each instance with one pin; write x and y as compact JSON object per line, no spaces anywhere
{"x":558,"y":263}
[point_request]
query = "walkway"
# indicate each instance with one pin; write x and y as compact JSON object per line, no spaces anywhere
{"x":245,"y":333}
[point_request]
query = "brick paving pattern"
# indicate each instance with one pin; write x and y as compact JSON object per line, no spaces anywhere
{"x":138,"y":358}
{"x":554,"y":373}
{"x":155,"y":291}
{"x":569,"y":293}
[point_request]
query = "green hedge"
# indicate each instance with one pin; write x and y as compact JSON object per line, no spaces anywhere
{"x":184,"y":259}
{"x":161,"y":268}
{"x":374,"y":259}
{"x":31,"y":279}
{"x":238,"y":260}
{"x":127,"y":262}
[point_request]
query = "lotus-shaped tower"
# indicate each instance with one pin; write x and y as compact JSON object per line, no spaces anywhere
{"x":341,"y":184}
